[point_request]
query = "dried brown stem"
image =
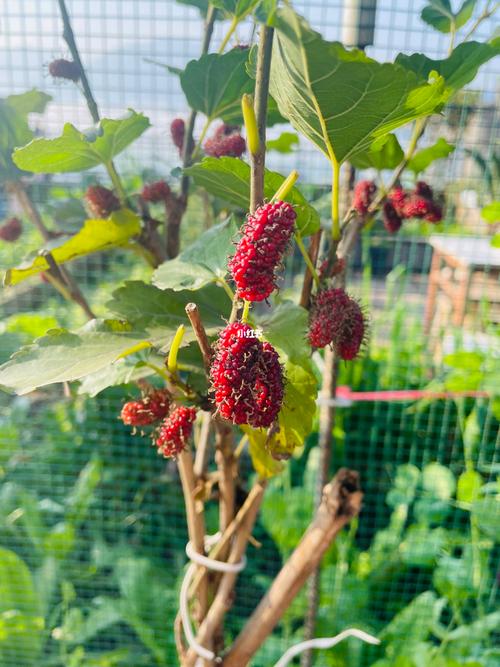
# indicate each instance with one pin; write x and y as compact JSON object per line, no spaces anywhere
{"x":223,"y":597}
{"x":307,"y":284}
{"x":201,"y":457}
{"x":201,"y":335}
{"x":195,"y":521}
{"x":340,"y":503}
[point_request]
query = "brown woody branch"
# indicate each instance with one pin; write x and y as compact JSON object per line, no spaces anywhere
{"x":341,"y":502}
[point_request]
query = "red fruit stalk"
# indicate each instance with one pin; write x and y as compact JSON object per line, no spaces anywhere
{"x":337,"y":319}
{"x":150,"y":409}
{"x":64,"y":69}
{"x":156,"y":192}
{"x":364,"y":193}
{"x":11,"y":230}
{"x":101,"y":201}
{"x":260,"y":250}
{"x":226,"y":141}
{"x":177,"y":132}
{"x":175,"y":431}
{"x":247,"y":377}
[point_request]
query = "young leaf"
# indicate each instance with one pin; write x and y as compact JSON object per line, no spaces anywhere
{"x":77,"y":151}
{"x":94,"y":236}
{"x":384,"y":153}
{"x":458,"y":69}
{"x":440,"y":15}
{"x":229,"y":178}
{"x":423,"y":158}
{"x":370,"y":99}
{"x":469,"y":486}
{"x":238,"y":8}
{"x":205,"y":261}
{"x":284,"y":143}
{"x":215,"y":83}
{"x":491,"y":212}
{"x":32,"y":101}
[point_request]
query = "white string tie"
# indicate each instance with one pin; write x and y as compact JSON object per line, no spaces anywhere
{"x":219,"y":566}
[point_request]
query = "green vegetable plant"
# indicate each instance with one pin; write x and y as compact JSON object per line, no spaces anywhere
{"x":220,"y":361}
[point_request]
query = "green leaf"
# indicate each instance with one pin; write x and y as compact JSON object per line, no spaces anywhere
{"x":77,"y":151}
{"x":264,"y":464}
{"x":229,"y":178}
{"x":440,"y":15}
{"x":404,"y":486}
{"x":495,"y":241}
{"x":237,"y":8}
{"x":82,"y":495}
{"x":487,"y":514}
{"x":467,"y":361}
{"x":453,"y":577}
{"x":284,"y":143}
{"x":205,"y":261}
{"x":94,"y":236}
{"x":285,"y":328}
{"x":491,"y":212}
{"x":412,"y":624}
{"x":370,"y":100}
{"x":122,"y":371}
{"x":422,"y":547}
{"x":458,"y":69}
{"x":21,"y":624}
{"x":438,"y":481}
{"x":266,"y":10}
{"x":32,"y":101}
{"x":202,"y":5}
{"x":423,"y":158}
{"x":215,"y":83}
{"x":60,"y":541}
{"x":384,"y":153}
{"x":469,"y":486}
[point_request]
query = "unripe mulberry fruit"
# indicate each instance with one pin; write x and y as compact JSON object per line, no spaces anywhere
{"x":226,"y":142}
{"x":101,"y":201}
{"x":363,"y":196}
{"x":177,"y":132}
{"x":64,"y":69}
{"x":247,"y":377}
{"x":11,"y":230}
{"x":397,"y":198}
{"x":175,"y":431}
{"x":150,"y":409}
{"x":422,"y":189}
{"x":390,"y":217}
{"x":156,"y":192}
{"x":265,"y":236}
{"x":337,"y":319}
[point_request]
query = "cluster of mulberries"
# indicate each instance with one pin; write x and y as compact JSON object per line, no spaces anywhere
{"x":364,"y":192}
{"x":64,"y":69}
{"x":11,"y":230}
{"x":226,"y":141}
{"x":177,"y":132}
{"x":156,"y":192}
{"x":175,"y":431}
{"x":247,"y":377}
{"x":265,"y":236}
{"x":337,"y":319}
{"x":147,"y":410}
{"x":418,"y":203}
{"x":101,"y":201}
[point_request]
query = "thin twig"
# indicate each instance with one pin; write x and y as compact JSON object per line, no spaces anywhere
{"x":307,"y":284}
{"x":201,"y":335}
{"x":201,"y":456}
{"x":341,"y":502}
{"x":195,"y":521}
{"x":222,"y":600}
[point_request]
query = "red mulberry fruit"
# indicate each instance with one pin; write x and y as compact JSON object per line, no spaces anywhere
{"x":397,"y":198}
{"x":417,"y":207}
{"x":101,"y":201}
{"x":337,"y":319}
{"x":11,"y":230}
{"x":226,"y":141}
{"x":177,"y":132}
{"x":265,"y":237}
{"x":64,"y":69}
{"x":150,"y":409}
{"x":175,"y":431}
{"x":156,"y":192}
{"x":434,"y":213}
{"x":363,"y":196}
{"x":392,"y":221}
{"x":247,"y":377}
{"x":422,"y":189}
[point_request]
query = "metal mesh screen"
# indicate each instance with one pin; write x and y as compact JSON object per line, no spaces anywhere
{"x":92,"y":527}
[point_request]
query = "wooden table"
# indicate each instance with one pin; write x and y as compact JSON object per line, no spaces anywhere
{"x":456,"y":261}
